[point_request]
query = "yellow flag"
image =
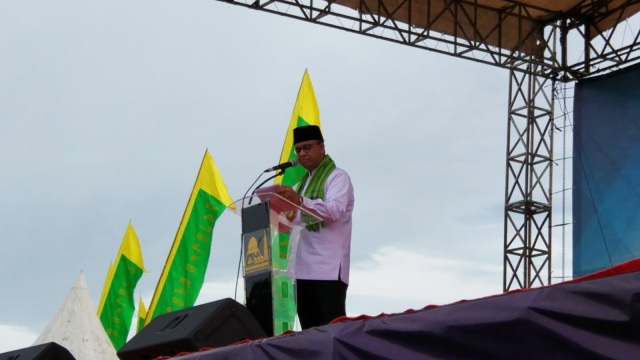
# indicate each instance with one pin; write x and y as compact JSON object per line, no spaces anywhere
{"x":142,"y":314}
{"x":305,"y":112}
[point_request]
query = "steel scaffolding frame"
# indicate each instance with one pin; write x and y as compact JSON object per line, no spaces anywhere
{"x":527,"y":216}
{"x":573,"y":47}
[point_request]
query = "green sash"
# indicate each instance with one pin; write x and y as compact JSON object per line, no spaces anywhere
{"x":315,"y":190}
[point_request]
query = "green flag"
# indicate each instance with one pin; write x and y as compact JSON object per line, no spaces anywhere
{"x":184,"y":270}
{"x":305,"y":112}
{"x":116,"y":304}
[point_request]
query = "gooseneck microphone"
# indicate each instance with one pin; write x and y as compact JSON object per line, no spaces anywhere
{"x":285,"y":165}
{"x":281,"y":168}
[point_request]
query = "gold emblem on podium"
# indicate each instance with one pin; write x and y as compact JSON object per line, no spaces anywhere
{"x":256,"y":254}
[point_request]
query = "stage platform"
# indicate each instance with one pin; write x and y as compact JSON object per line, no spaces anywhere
{"x":593,"y":317}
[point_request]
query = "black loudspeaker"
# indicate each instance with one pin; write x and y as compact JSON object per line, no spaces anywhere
{"x":48,"y":351}
{"x":214,"y":324}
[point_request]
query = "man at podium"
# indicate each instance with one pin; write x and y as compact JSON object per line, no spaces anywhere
{"x":324,"y":248}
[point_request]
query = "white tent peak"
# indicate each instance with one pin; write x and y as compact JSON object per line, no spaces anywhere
{"x":76,"y":326}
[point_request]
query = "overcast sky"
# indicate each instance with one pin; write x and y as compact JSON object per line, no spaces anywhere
{"x":106,"y":109}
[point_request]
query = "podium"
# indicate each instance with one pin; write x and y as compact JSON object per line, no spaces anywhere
{"x":270,"y":231}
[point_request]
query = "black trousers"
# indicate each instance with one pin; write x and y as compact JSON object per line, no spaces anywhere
{"x":320,"y":301}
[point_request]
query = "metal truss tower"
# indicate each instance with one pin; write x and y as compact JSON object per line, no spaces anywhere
{"x":540,"y":47}
{"x":527,"y":215}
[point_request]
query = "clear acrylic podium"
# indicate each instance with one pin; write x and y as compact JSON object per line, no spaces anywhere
{"x":270,"y":231}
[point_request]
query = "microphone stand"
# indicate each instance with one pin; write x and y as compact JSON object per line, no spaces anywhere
{"x":245,"y":194}
{"x":279,"y":173}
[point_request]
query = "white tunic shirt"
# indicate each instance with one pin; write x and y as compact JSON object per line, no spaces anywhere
{"x":325,"y":254}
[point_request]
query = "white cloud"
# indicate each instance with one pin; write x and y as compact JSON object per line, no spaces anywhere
{"x":394,"y":280}
{"x":15,"y":337}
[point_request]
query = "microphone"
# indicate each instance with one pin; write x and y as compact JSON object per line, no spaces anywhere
{"x":285,"y":165}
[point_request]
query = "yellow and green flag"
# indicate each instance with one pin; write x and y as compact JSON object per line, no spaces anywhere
{"x":117,"y":306}
{"x":184,"y":270}
{"x":142,"y":314}
{"x":305,"y":112}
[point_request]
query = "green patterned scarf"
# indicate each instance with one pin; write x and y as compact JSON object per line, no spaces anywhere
{"x":315,"y":190}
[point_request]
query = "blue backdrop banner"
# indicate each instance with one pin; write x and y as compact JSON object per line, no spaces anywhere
{"x":606,"y":171}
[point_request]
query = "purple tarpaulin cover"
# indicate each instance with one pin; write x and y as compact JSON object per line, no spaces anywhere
{"x":593,"y":317}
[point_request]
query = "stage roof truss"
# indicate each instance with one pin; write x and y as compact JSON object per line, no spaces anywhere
{"x":602,"y":54}
{"x":495,"y":32}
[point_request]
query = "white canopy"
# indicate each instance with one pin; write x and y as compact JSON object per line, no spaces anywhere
{"x":76,"y":327}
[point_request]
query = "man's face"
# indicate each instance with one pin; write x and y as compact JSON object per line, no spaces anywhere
{"x":310,"y":153}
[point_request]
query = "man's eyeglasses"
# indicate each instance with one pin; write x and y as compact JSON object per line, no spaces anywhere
{"x":305,"y":148}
